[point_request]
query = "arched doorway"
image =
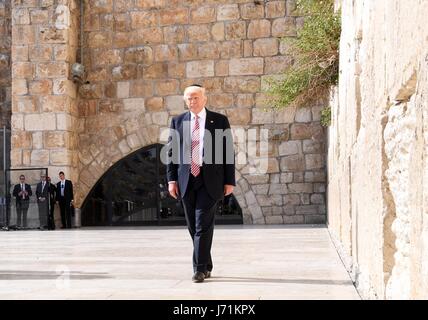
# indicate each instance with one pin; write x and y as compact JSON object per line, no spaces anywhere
{"x":135,"y":192}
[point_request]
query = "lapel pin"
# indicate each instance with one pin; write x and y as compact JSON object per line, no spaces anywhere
{"x":212,"y":121}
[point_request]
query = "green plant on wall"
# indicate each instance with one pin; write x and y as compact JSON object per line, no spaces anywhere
{"x":315,"y":52}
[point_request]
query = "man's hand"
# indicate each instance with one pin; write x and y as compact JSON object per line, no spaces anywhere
{"x":228,"y":189}
{"x":173,"y":190}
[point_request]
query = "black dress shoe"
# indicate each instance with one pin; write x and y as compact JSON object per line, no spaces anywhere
{"x":207,"y":274}
{"x":198,"y":277}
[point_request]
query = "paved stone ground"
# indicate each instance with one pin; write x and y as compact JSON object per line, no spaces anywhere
{"x":250,"y":262}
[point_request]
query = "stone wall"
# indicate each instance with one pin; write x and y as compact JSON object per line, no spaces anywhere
{"x":5,"y":70}
{"x":44,"y":100}
{"x":378,"y":148}
{"x":141,"y":55}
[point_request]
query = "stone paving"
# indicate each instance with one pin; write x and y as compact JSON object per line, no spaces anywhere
{"x":250,"y":262}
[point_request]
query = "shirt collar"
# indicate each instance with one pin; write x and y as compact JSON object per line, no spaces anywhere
{"x":202,"y":114}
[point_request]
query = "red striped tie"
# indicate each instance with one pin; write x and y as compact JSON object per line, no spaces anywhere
{"x":194,"y":165}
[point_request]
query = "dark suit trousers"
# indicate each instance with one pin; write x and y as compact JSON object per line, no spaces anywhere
{"x":200,"y":210}
{"x":21,"y":213}
{"x":64,"y":207}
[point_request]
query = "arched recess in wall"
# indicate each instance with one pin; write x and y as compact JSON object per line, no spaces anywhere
{"x":134,"y":191}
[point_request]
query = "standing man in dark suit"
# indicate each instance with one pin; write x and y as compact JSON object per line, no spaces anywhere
{"x":64,"y":196}
{"x":42,"y":195}
{"x":200,"y":171}
{"x":22,"y":192}
{"x":52,"y":196}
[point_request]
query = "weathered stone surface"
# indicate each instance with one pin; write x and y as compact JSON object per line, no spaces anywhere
{"x":259,"y":29}
{"x":242,"y":84}
{"x":287,"y":148}
{"x":314,"y":161}
{"x":198,"y":33}
{"x":198,"y":69}
{"x":202,"y":15}
{"x":292,"y":163}
{"x":246,"y":66}
{"x":275,"y":9}
{"x":235,"y":30}
{"x":265,"y":47}
{"x":284,"y":27}
{"x":227,"y":12}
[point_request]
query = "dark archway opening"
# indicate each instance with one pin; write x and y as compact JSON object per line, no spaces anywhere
{"x":135,"y":192}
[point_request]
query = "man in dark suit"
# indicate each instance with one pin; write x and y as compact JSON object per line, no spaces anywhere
{"x":22,"y":193}
{"x":64,"y":197}
{"x":200,"y":171}
{"x":43,"y":201}
{"x":52,"y":195}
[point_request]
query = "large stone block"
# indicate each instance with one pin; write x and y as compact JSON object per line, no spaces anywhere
{"x":54,"y":139}
{"x":175,"y":104}
{"x":156,"y":71}
{"x":235,"y":30}
{"x":277,"y":64}
{"x":165,"y":53}
{"x":220,"y":100}
{"x":51,"y":103}
{"x":217,"y":31}
{"x":259,"y":29}
{"x":202,"y":15}
{"x":41,"y":87}
{"x":200,"y":69}
{"x":284,"y":27}
{"x":52,"y":70}
{"x":24,"y":104}
{"x":187,"y":51}
{"x":314,"y":161}
{"x":154,"y":104}
{"x":39,"y":157}
{"x":261,"y":117}
{"x":199,"y":33}
{"x":19,"y":87}
{"x":287,"y":148}
{"x":167,"y":87}
{"x":21,"y":139}
{"x":300,"y":188}
{"x":292,"y":163}
{"x":141,"y":55}
{"x":252,"y":11}
{"x":61,"y":157}
{"x":246,"y":66}
{"x":242,"y":84}
{"x":227,"y":12}
{"x":151,"y":4}
{"x":275,"y":9}
{"x":22,"y":70}
{"x":174,"y":16}
{"x":231,"y":49}
{"x":239,"y":116}
{"x":265,"y":47}
{"x":144,"y":19}
{"x":174,"y":34}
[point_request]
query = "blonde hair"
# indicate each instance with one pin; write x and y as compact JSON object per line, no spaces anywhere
{"x":194,"y":89}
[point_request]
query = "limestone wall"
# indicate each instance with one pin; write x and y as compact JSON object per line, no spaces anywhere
{"x":378,"y":148}
{"x":44,"y":99}
{"x":5,"y":70}
{"x":141,"y":55}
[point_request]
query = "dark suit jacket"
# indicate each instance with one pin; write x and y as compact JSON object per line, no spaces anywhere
{"x":68,"y":191}
{"x":17,"y":190}
{"x":215,"y":169}
{"x":44,"y":193}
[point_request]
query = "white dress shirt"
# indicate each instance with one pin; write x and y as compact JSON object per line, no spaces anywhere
{"x":202,"y":118}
